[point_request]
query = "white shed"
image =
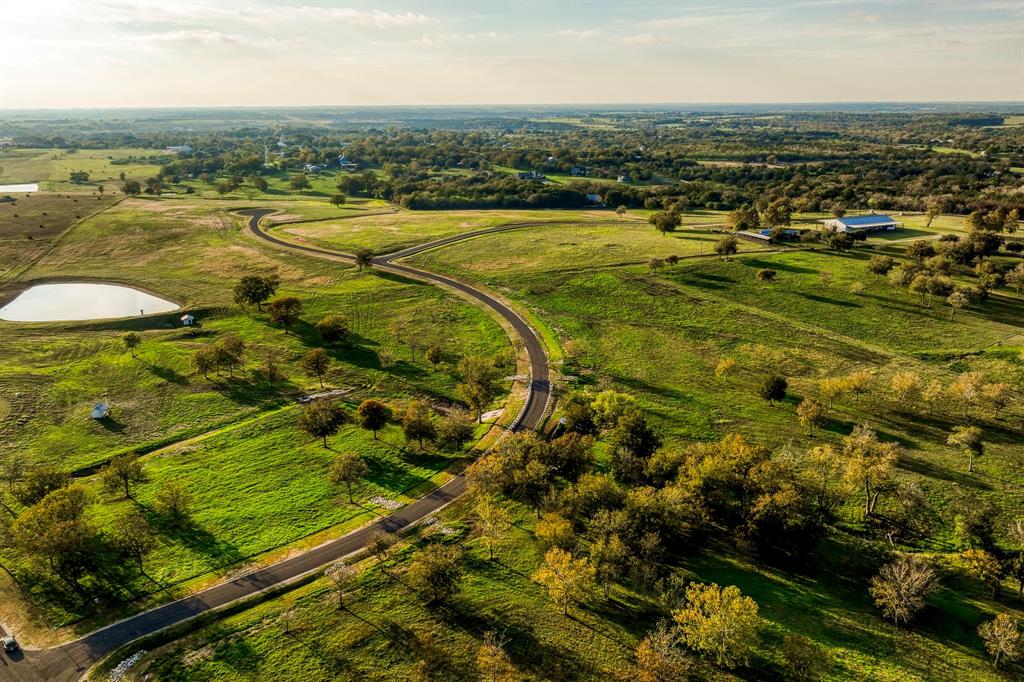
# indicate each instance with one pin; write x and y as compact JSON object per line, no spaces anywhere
{"x":187,"y":320}
{"x":100,"y":411}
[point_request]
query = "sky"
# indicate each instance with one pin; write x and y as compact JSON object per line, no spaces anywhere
{"x":184,"y":53}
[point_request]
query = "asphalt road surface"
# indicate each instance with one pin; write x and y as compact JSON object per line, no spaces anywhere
{"x":71,"y":661}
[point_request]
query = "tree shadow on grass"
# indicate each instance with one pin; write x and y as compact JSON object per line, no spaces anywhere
{"x":168,"y":374}
{"x":923,"y":467}
{"x":193,"y":536}
{"x":334,"y":662}
{"x":774,"y":265}
{"x":827,"y":300}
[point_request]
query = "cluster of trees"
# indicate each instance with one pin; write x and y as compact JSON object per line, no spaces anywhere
{"x":56,"y":535}
{"x":815,"y":163}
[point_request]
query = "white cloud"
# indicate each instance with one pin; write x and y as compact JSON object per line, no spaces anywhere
{"x":639,"y":39}
{"x":575,"y":33}
{"x":377,"y":17}
{"x":199,"y":36}
{"x":439,"y":38}
{"x":864,"y":16}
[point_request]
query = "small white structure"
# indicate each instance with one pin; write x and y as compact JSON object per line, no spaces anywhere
{"x":100,"y":411}
{"x":180,"y":149}
{"x":187,"y":320}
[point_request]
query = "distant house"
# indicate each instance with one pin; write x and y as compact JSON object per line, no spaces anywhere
{"x":861,"y":223}
{"x":311,"y":168}
{"x":625,"y":178}
{"x":345,"y":164}
{"x":187,"y":320}
{"x":530,"y":175}
{"x":100,"y":411}
{"x":180,"y":149}
{"x":577,"y":170}
{"x":593,"y":198}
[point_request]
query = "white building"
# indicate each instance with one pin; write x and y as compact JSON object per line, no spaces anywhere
{"x":862,"y":223}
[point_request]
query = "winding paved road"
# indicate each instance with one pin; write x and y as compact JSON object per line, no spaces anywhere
{"x":70,"y":661}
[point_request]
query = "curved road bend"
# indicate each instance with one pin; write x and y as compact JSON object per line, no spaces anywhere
{"x":70,"y":661}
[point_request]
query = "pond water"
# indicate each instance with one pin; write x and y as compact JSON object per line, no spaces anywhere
{"x":26,"y":187}
{"x":81,"y":301}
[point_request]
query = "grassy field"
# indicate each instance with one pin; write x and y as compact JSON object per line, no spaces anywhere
{"x":384,"y":233}
{"x":260,"y":488}
{"x":504,"y":257}
{"x":31,"y":224}
{"x":258,"y":483}
{"x":52,"y":168}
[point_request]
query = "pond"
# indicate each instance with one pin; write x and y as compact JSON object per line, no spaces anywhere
{"x":26,"y":187}
{"x":81,"y":301}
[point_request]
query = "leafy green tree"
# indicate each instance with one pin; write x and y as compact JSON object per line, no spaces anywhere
{"x":338,"y":199}
{"x":744,"y":218}
{"x":766,"y":276}
{"x":56,"y":533}
{"x":812,"y":414}
{"x":727,"y":246}
{"x":968,"y":439}
{"x":417,"y":423}
{"x":134,"y":537}
{"x":720,"y":622}
{"x":985,"y":567}
{"x":633,"y":441}
{"x":363,"y":258}
{"x":919,"y":250}
{"x":777,"y":213}
{"x":39,"y":482}
{"x":373,"y":415}
{"x":804,"y":660}
{"x":869,"y":463}
{"x":299,"y":182}
{"x":316,"y":363}
{"x":285,"y":311}
{"x":773,"y":388}
{"x":456,"y":430}
{"x":436,"y":572}
{"x":881,"y":265}
{"x":256,"y":289}
{"x":492,"y":521}
{"x":347,"y":468}
{"x":173,"y":501}
{"x":478,"y":384}
{"x":322,"y":418}
{"x":123,"y":473}
{"x":332,"y":328}
{"x":131,"y":341}
{"x":665,"y":222}
{"x":434,"y":356}
{"x":608,"y":406}
{"x":131,"y":187}
{"x":567,"y":580}
{"x":260,"y":184}
{"x":205,"y":359}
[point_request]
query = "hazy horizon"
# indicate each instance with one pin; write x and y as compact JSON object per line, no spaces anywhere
{"x":61,"y":54}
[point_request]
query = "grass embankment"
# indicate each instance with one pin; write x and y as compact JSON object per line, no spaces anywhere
{"x":257,"y":482}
